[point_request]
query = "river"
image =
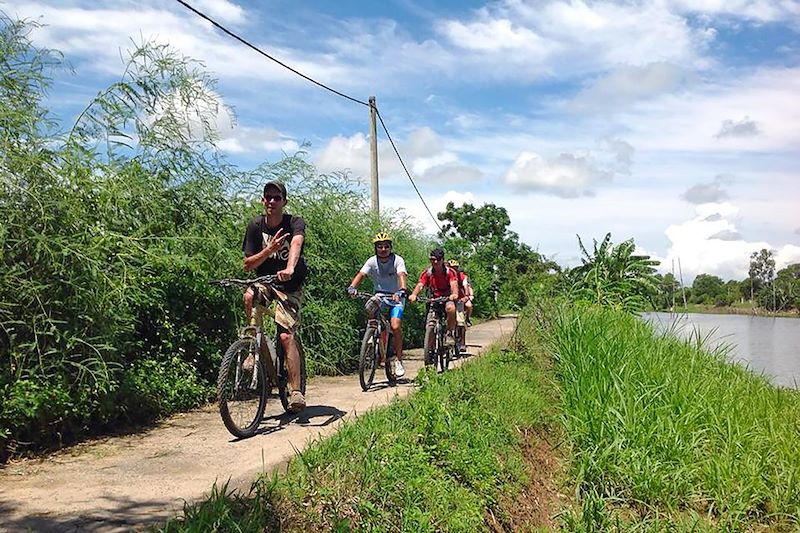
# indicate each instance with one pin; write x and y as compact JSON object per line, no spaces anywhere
{"x":769,"y":346}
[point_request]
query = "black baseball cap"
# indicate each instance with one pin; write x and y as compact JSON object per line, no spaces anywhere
{"x":437,"y":253}
{"x":278,"y":185}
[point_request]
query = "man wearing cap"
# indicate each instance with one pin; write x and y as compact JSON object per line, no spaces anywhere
{"x":441,"y":281}
{"x":273,"y":244}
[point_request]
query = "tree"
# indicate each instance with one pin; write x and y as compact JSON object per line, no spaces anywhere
{"x":785,"y":293}
{"x":762,"y":270}
{"x":615,"y":276}
{"x":503,"y":269}
{"x":708,"y":289}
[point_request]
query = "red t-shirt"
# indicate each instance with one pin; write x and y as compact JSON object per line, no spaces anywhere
{"x":438,"y":282}
{"x":462,"y":290}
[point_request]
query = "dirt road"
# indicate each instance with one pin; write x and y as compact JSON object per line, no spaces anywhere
{"x":123,"y":482}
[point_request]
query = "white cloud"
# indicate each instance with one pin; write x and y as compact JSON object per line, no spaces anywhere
{"x":567,"y":175}
{"x":248,"y":140}
{"x":221,"y":10}
{"x":437,"y":204}
{"x":628,"y":84}
{"x":562,"y":38}
{"x":423,"y":152}
{"x":703,"y":193}
{"x":570,"y":175}
{"x":690,"y":122}
{"x":759,"y":10}
{"x":697,"y":243}
{"x":738,"y":128}
{"x":99,"y":33}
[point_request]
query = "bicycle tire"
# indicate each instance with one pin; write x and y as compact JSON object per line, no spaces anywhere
{"x":237,"y":398}
{"x":283,"y":375}
{"x":442,"y":349}
{"x":429,"y":346}
{"x":387,"y":362}
{"x":368,"y":358}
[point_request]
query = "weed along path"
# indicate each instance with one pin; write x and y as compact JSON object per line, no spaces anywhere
{"x":118,"y":483}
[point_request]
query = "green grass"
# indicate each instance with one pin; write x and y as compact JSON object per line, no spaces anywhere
{"x":437,"y":461}
{"x":668,"y":436}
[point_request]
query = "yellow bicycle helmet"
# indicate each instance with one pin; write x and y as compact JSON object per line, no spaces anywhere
{"x":381,"y":236}
{"x":454,"y":263}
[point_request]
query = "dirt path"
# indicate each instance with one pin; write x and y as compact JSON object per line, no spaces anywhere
{"x":121,"y":482}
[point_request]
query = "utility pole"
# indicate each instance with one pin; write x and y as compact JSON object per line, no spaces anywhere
{"x":373,"y":156}
{"x":683,"y":289}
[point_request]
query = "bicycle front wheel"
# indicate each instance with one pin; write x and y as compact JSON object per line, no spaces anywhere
{"x":429,"y":346}
{"x":444,"y":351}
{"x":242,"y":389}
{"x":368,"y":360}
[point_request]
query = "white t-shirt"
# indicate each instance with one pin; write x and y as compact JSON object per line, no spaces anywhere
{"x":385,"y":275}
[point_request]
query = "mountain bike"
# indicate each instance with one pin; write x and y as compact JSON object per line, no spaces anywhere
{"x":252,"y":366}
{"x":437,"y":353}
{"x":376,"y":345}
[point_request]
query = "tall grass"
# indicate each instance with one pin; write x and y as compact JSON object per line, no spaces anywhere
{"x":659,"y":426}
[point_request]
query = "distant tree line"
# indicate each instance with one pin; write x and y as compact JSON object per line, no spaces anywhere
{"x":763,"y":287}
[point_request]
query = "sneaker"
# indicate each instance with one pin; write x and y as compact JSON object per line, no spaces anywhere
{"x":399,"y":371}
{"x":249,"y":362}
{"x":450,"y":340}
{"x":469,"y":323}
{"x":297,"y":402}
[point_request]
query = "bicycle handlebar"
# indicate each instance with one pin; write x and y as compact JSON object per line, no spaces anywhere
{"x":438,"y":300}
{"x":268,"y":279}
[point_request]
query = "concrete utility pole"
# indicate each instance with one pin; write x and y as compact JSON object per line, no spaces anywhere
{"x":373,"y":155}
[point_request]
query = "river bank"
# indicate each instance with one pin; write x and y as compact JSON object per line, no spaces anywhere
{"x":740,"y":309}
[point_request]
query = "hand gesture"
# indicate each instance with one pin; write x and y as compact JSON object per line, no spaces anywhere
{"x":277,"y":241}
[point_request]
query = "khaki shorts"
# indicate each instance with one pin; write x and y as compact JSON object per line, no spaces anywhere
{"x":461,"y":316}
{"x":287,"y":306}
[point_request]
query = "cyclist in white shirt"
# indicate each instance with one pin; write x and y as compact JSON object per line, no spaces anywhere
{"x":387,"y":270}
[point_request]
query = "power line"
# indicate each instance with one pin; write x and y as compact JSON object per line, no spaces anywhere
{"x":388,"y":136}
{"x":315,"y":82}
{"x":257,"y":49}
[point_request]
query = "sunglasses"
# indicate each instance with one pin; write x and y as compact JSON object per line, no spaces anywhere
{"x":275,"y":197}
{"x":434,"y":259}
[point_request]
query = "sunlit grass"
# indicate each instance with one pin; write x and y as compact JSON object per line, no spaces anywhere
{"x":659,"y":426}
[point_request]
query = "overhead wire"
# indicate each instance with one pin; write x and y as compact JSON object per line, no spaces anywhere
{"x":320,"y":84}
{"x":276,"y":60}
{"x":388,"y":136}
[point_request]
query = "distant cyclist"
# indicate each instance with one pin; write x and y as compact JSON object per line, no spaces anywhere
{"x":440,"y":280}
{"x":465,"y":292}
{"x":387,"y":270}
{"x":273,"y":244}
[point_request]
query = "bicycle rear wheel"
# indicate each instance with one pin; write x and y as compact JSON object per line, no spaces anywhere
{"x":283,"y":376}
{"x":241,"y":389}
{"x":368,"y":359}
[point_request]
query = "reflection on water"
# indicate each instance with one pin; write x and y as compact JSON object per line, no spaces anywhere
{"x":767,"y":345}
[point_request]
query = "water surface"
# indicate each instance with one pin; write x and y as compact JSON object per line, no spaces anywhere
{"x":767,"y":345}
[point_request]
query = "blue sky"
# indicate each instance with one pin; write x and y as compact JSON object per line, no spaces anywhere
{"x":674,"y":122}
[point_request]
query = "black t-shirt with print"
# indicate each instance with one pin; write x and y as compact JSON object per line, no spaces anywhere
{"x":258,"y":237}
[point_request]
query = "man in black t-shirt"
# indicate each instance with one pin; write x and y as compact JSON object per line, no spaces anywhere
{"x":273,"y":244}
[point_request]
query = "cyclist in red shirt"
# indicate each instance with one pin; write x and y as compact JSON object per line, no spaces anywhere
{"x":440,"y":280}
